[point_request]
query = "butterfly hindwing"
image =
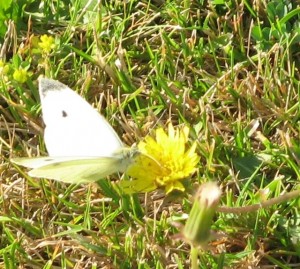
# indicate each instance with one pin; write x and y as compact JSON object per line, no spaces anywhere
{"x":39,"y":161}
{"x":79,"y":170}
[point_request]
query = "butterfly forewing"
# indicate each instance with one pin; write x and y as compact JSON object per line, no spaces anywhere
{"x":73,"y":126}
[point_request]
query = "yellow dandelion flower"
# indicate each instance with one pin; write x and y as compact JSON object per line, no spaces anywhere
{"x":46,"y":44}
{"x":165,"y":161}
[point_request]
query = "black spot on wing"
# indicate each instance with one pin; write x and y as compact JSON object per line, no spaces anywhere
{"x":56,"y":164}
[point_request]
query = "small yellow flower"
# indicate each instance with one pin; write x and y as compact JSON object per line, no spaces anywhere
{"x":46,"y":44}
{"x":4,"y":68}
{"x":164,"y":162}
{"x":20,"y":75}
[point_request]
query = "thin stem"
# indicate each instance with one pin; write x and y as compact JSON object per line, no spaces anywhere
{"x":194,"y":258}
{"x":251,"y":208}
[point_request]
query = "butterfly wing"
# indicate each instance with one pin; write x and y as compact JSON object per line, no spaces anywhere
{"x":43,"y":161}
{"x":73,"y":126}
{"x":35,"y":162}
{"x":79,"y":171}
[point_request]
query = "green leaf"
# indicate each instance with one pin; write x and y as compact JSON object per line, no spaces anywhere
{"x":257,"y":33}
{"x":246,"y":166}
{"x":5,"y":5}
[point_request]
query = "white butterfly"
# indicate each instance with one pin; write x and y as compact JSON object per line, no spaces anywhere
{"x":82,"y":146}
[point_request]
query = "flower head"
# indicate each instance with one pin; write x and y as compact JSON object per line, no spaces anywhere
{"x":46,"y":44}
{"x":164,"y":162}
{"x":20,"y":75}
{"x":197,"y":229}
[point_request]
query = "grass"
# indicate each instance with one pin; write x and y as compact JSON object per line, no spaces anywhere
{"x":229,"y":70}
